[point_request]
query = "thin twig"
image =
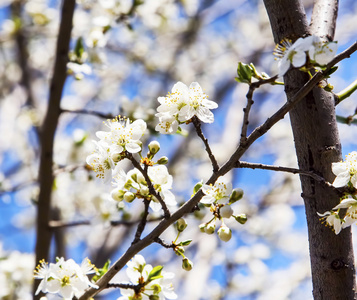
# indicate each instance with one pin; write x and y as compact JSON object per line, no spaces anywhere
{"x":54,"y":224}
{"x":162,"y":243}
{"x":89,"y":112}
{"x":142,"y":223}
{"x":196,"y":122}
{"x":150,"y":185}
{"x":252,"y":87}
{"x":243,"y":164}
{"x":121,"y":285}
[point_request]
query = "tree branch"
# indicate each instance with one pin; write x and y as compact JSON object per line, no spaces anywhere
{"x":48,"y":131}
{"x":196,"y":122}
{"x":88,"y":112}
{"x":142,"y":223}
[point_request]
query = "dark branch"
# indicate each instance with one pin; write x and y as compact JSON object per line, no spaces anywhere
{"x":89,"y":112}
{"x":196,"y":122}
{"x":162,"y":243}
{"x":142,"y":223}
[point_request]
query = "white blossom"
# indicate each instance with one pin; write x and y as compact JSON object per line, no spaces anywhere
{"x":322,"y":52}
{"x":346,"y":171}
{"x":219,"y":192}
{"x":65,"y":277}
{"x":351,"y":213}
{"x":332,"y":220}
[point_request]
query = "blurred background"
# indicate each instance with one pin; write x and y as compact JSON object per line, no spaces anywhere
{"x":125,"y":54}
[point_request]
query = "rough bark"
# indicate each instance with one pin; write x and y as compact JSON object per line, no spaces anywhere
{"x":317,"y":145}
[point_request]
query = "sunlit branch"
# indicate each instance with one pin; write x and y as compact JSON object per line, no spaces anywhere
{"x":150,"y":185}
{"x":60,"y":224}
{"x":196,"y":122}
{"x":345,"y":93}
{"x":243,"y":164}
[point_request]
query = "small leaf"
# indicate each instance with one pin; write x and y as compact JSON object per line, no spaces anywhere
{"x":100,"y":272}
{"x":244,"y":73}
{"x":79,"y":48}
{"x":185,"y":243}
{"x":332,"y":70}
{"x":155,"y":273}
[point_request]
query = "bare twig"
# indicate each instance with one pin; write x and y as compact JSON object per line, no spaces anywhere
{"x":89,"y":112}
{"x":252,"y":87}
{"x":54,"y":224}
{"x":150,"y":185}
{"x":162,"y":243}
{"x":196,"y":122}
{"x":243,"y":164}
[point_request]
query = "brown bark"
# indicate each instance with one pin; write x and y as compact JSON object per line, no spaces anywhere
{"x":317,"y":145}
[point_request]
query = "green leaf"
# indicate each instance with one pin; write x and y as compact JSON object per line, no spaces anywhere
{"x":155,"y":273}
{"x":332,"y":70}
{"x":244,"y":73}
{"x":197,"y":187}
{"x":79,"y":48}
{"x":100,"y":272}
{"x":185,"y":243}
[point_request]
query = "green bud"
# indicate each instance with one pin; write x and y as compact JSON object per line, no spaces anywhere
{"x":197,"y":187}
{"x":187,"y":264}
{"x":154,"y":297}
{"x":144,"y":191}
{"x":210,"y":227}
{"x":244,"y":73}
{"x":185,"y":243}
{"x":236,"y":195}
{"x":129,"y":197}
{"x":241,"y":218}
{"x":179,"y":250}
{"x":226,"y":211}
{"x":181,"y":225}
{"x":154,"y":147}
{"x":163,"y":160}
{"x":128,"y":184}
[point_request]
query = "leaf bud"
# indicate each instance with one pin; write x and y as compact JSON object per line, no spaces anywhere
{"x":202,"y":227}
{"x":187,"y":264}
{"x":197,"y":187}
{"x":179,"y":250}
{"x":144,"y":191}
{"x":236,"y":195}
{"x":181,"y":224}
{"x":163,"y":160}
{"x":242,"y":218}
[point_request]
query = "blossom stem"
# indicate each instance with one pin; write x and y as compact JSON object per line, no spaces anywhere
{"x":196,"y":122}
{"x":152,"y":190}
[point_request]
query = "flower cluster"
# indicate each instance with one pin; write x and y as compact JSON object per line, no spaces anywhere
{"x":346,"y":175}
{"x":306,"y":49}
{"x":147,"y":282}
{"x":124,"y":136}
{"x":133,"y":185}
{"x":65,"y":277}
{"x":181,"y":105}
{"x":219,"y":197}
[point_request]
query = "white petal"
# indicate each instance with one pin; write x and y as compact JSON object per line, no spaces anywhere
{"x":346,"y":203}
{"x":132,"y":147}
{"x":205,"y":115}
{"x":339,"y":167}
{"x":207,"y":199}
{"x":299,"y":59}
{"x":169,"y":197}
{"x":354,"y":181}
{"x":342,"y":179}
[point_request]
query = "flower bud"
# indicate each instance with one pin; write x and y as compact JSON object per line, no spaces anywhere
{"x":226,"y":211}
{"x":117,"y":194}
{"x":224,"y":233}
{"x":242,"y":218}
{"x":181,"y":225}
{"x":236,"y":195}
{"x":187,"y":264}
{"x":210,"y":227}
{"x":179,"y":250}
{"x":144,"y":191}
{"x":154,"y":297}
{"x":202,"y":227}
{"x":163,"y":160}
{"x":129,"y":197}
{"x":154,"y":147}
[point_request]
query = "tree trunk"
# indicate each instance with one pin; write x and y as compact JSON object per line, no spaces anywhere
{"x":317,"y":145}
